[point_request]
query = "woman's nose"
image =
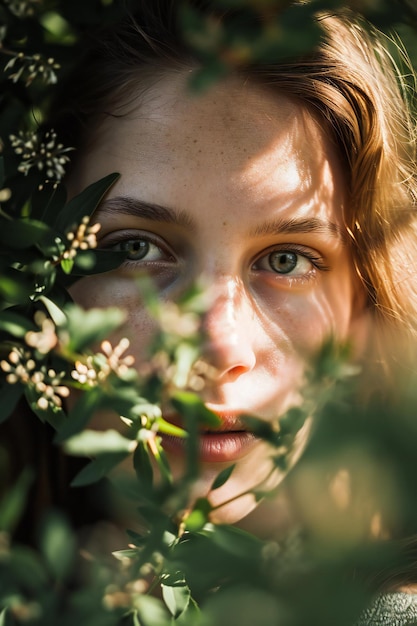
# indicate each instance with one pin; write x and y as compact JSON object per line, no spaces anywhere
{"x":228,"y":326}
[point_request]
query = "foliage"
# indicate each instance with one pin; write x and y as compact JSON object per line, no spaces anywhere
{"x":204,"y":574}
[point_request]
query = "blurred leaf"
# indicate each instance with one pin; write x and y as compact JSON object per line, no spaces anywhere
{"x":199,"y":516}
{"x":22,"y":233}
{"x":80,"y":414}
{"x":10,"y":396}
{"x":86,"y":328}
{"x":14,"y":501}
{"x":15,"y":286}
{"x":98,"y":468}
{"x":67,"y":265}
{"x":94,"y":442}
{"x":151,"y":612}
{"x":191,"y":406}
{"x":58,"y":545}
{"x":143,"y":465}
{"x":223,"y":477}
{"x":84,"y":204}
{"x":15,"y":323}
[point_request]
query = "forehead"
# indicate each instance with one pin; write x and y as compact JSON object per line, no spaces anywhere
{"x":236,"y":135}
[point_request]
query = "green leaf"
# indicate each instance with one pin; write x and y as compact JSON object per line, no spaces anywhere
{"x":14,"y":502}
{"x":199,"y":516}
{"x":97,"y":469}
{"x":57,"y":315}
{"x":22,"y":233}
{"x":79,"y":416}
{"x":15,"y":324}
{"x":222,"y":477}
{"x":3,"y":614}
{"x":67,"y":265}
{"x":84,"y":204}
{"x":58,"y":545}
{"x":143,"y":466}
{"x":191,"y":406}
{"x":94,"y":442}
{"x":15,"y":286}
{"x":99,"y":261}
{"x":9,"y":397}
{"x":86,"y":328}
{"x":176,"y":598}
{"x":152,"y":612}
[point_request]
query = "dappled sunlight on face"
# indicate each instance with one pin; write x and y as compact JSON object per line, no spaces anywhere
{"x":241,"y":191}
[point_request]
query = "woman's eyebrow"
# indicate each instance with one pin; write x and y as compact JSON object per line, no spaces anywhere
{"x":291,"y":226}
{"x":145,"y":210}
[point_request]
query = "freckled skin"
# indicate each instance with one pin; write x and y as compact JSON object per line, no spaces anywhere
{"x":231,"y":159}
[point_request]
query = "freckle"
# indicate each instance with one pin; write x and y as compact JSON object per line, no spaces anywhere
{"x":224,"y":223}
{"x":195,"y":141}
{"x":200,"y":151}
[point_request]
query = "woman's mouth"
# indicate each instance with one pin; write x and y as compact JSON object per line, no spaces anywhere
{"x":227,"y":443}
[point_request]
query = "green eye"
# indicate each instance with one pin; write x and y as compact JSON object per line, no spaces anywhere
{"x":140,"y":250}
{"x":137,"y":249}
{"x":283,"y":262}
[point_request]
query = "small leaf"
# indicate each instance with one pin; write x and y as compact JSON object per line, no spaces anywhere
{"x":199,"y":516}
{"x":223,"y":477}
{"x":67,"y":265}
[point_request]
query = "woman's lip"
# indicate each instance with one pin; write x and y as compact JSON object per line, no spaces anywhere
{"x":215,"y":446}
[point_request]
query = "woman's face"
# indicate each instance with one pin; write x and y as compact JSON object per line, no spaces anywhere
{"x":242,"y":191}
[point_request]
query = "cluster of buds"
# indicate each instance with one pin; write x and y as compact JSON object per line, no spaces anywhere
{"x":97,"y":368}
{"x":44,"y":340}
{"x":23,"y":8}
{"x":83,"y":237}
{"x":44,"y":154}
{"x":28,"y":68}
{"x":47,"y":383}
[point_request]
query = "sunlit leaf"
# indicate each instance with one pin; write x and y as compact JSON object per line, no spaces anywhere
{"x":94,"y":442}
{"x":176,"y":598}
{"x":199,"y":516}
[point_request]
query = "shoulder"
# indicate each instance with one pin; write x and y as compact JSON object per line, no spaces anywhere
{"x":391,"y":609}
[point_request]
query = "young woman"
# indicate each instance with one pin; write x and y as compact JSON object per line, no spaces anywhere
{"x":285,"y":191}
